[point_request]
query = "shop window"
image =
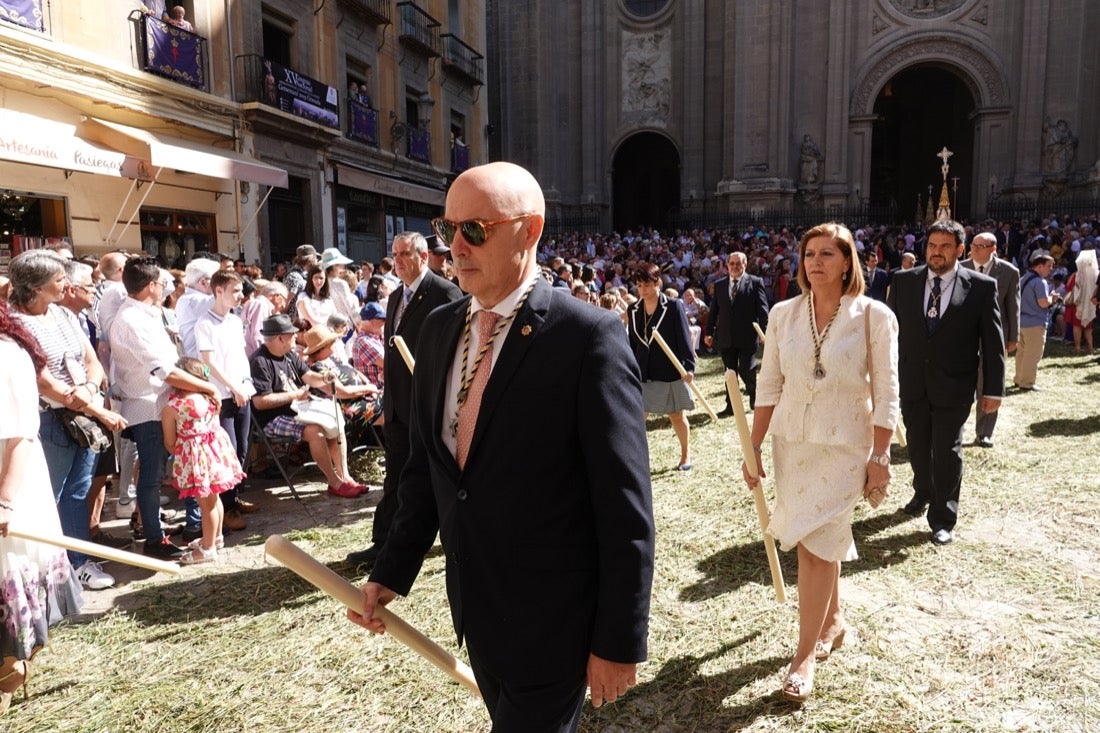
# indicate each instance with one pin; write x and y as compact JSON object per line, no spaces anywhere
{"x":28,"y":221}
{"x":175,"y":236}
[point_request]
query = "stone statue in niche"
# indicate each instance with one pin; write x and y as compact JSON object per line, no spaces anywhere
{"x":1059,"y":149}
{"x":809,"y":164}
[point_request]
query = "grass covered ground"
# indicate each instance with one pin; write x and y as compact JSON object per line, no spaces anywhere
{"x":996,"y":632}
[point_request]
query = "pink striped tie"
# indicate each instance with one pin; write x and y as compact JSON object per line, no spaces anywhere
{"x":467,"y":414}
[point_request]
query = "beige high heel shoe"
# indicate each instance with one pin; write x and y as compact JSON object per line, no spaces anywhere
{"x":822,"y":652}
{"x":20,"y":671}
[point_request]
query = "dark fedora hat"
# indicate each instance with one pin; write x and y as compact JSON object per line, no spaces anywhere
{"x":277,"y":324}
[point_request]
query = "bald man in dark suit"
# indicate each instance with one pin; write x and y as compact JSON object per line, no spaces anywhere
{"x":529,"y":457}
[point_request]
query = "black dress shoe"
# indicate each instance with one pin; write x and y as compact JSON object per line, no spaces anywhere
{"x":728,"y":412}
{"x":942,"y":537}
{"x":915,"y":508}
{"x":985,"y":441}
{"x":365,"y":557}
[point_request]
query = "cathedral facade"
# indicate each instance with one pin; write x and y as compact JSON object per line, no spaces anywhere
{"x":634,"y":112}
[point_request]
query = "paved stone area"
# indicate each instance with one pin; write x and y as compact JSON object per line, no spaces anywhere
{"x":279,"y":513}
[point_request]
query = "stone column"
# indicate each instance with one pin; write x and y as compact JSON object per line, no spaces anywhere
{"x":992,"y":133}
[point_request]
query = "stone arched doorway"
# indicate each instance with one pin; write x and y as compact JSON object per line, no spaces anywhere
{"x":645,"y":181}
{"x":954,"y":58}
{"x":919,"y":111}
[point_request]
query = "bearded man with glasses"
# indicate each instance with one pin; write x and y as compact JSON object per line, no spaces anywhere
{"x":529,"y":457}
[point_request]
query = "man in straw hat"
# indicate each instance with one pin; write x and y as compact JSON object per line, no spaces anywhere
{"x":549,"y":562}
{"x":281,"y":378}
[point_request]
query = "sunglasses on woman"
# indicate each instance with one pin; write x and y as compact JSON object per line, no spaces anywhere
{"x":474,"y":231}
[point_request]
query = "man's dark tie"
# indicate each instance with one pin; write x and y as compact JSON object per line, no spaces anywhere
{"x":935,"y":311}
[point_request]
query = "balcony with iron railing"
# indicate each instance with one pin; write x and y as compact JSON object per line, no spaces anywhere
{"x":375,"y":11}
{"x":171,"y":52}
{"x":362,"y":123}
{"x":270,"y":83}
{"x":418,"y":30}
{"x":420,"y":144}
{"x":461,"y":59}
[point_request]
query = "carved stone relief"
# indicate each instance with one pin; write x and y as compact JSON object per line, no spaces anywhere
{"x":984,"y":79}
{"x":647,"y":77}
{"x":926,"y":8}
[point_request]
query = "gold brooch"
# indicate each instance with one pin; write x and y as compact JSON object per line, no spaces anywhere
{"x":526,"y":330}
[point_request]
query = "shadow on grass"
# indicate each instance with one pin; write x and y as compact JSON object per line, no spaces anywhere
{"x":1064,"y":427}
{"x":228,"y":595}
{"x":729,"y":569}
{"x":679,"y":697}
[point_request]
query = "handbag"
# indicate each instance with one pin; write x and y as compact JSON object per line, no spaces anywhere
{"x":878,"y":493}
{"x":84,"y":431}
{"x":319,"y":412}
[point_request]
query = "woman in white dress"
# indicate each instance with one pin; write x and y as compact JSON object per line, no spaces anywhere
{"x":39,"y":585}
{"x":315,"y":303}
{"x":830,"y":447}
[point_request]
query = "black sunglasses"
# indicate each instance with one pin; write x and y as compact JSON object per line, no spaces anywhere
{"x":474,"y":231}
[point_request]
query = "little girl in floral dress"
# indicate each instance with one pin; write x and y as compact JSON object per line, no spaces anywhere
{"x":204,"y":463}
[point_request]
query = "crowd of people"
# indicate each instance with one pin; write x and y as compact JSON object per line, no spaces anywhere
{"x":143,"y":372}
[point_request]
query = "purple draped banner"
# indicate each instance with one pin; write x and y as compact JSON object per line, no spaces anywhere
{"x":175,"y":53}
{"x":363,"y":123}
{"x":420,"y":144}
{"x":27,"y":13}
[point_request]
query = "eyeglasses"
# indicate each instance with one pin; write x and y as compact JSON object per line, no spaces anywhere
{"x":977,"y":245}
{"x":474,"y":231}
{"x":85,"y":288}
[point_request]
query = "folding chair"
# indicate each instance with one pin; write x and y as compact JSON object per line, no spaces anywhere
{"x":278,"y":452}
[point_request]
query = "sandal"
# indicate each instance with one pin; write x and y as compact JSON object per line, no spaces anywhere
{"x":797,"y":689}
{"x":196,"y":544}
{"x":197,"y":555}
{"x":822,"y":651}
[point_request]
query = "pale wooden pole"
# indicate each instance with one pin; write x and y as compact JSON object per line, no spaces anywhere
{"x":734,"y":388}
{"x":683,"y":373}
{"x":297,"y":560}
{"x":97,"y":550}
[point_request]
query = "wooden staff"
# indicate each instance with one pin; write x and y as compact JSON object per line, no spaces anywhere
{"x":403,"y":349}
{"x":749,"y":454}
{"x":102,"y":551}
{"x":759,"y":331}
{"x":683,"y":373}
{"x":297,"y":560}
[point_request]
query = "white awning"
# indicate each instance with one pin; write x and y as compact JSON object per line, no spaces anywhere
{"x":181,"y":155}
{"x":26,"y":138}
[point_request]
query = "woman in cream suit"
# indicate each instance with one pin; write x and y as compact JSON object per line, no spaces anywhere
{"x":830,"y":448}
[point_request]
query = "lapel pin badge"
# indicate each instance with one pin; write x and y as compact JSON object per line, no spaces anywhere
{"x":526,"y":330}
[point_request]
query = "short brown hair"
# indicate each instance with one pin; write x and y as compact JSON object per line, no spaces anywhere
{"x":838,"y":233}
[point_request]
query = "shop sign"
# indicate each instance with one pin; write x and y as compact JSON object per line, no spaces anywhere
{"x":28,"y":139}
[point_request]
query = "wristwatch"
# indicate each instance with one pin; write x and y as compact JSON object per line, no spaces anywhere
{"x":882,"y":459}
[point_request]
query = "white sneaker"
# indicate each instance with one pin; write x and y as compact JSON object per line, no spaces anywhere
{"x":92,"y":577}
{"x":127,"y":502}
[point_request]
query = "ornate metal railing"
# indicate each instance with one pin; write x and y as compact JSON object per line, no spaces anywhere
{"x":376,"y":11}
{"x":462,"y":59}
{"x":418,"y":29}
